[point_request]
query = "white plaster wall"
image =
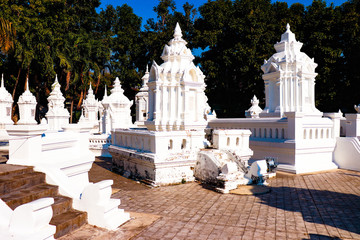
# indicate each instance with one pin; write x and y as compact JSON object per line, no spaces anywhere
{"x":347,"y":153}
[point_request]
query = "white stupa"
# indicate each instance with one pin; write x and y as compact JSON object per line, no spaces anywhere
{"x":254,"y":110}
{"x":117,"y":107}
{"x":142,"y":101}
{"x":6,"y":102}
{"x":27,"y":107}
{"x":289,"y":78}
{"x":167,"y":152}
{"x":177,"y":99}
{"x":57,"y":115}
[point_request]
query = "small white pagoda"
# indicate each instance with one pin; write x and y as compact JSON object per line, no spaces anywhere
{"x":27,"y":107}
{"x":117,"y":107}
{"x":91,"y":109}
{"x":6,"y":102}
{"x":141,"y":101}
{"x":254,"y":110}
{"x":57,"y":115}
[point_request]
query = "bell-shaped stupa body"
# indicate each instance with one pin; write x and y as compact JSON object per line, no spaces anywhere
{"x":27,"y":107}
{"x":6,"y":102}
{"x":117,"y":107}
{"x":142,"y":100}
{"x":57,"y":115}
{"x":176,"y":90}
{"x":289,"y":77}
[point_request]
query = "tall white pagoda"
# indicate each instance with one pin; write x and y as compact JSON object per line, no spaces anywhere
{"x":177,"y":99}
{"x":289,"y":78}
{"x":167,"y":151}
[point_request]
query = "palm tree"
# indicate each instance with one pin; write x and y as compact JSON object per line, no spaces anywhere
{"x":7,"y":35}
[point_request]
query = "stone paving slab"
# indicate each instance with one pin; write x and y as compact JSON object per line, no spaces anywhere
{"x":324,"y":205}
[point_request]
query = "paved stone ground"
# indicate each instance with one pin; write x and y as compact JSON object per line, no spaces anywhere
{"x":325,"y":205}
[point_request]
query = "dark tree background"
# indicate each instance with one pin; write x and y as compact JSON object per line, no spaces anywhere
{"x":83,"y":45}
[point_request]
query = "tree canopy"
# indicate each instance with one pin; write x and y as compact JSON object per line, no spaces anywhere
{"x":83,"y":45}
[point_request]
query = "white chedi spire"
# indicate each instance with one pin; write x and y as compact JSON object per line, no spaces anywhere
{"x":176,"y":48}
{"x":90,"y":108}
{"x":27,"y":96}
{"x":145,"y":79}
{"x":27,"y":107}
{"x":57,"y":115}
{"x":295,"y":71}
{"x":177,"y":32}
{"x":288,"y":36}
{"x":5,"y":96}
{"x":254,"y":110}
{"x":6,"y":101}
{"x":118,"y":107}
{"x":170,"y":108}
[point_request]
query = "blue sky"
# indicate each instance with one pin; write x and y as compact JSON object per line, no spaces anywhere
{"x":144,"y":8}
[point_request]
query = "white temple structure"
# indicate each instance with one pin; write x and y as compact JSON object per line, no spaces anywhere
{"x":254,"y":111}
{"x":27,"y":107}
{"x":6,"y":102}
{"x":141,"y":101}
{"x":57,"y":115}
{"x":169,"y":150}
{"x":289,"y":78}
{"x":176,"y":90}
{"x":91,"y":108}
{"x":117,"y":108}
{"x":290,"y":128}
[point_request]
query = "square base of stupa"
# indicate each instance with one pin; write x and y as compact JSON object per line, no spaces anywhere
{"x":162,"y":158}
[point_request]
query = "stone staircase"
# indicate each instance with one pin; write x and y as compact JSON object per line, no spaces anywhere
{"x":20,"y":184}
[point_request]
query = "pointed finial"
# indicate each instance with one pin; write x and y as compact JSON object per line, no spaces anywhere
{"x":177,"y":32}
{"x":147,"y":69}
{"x":105,"y":94}
{"x":2,"y":81}
{"x":56,"y":79}
{"x":288,"y":27}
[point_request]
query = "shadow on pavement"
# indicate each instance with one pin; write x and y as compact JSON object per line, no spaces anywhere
{"x":334,"y":209}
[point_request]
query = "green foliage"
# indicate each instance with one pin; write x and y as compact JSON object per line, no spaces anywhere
{"x":82,"y":46}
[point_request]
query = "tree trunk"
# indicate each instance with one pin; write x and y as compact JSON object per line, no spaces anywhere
{"x":16,"y":83}
{"x":13,"y":96}
{"x":27,"y":78}
{"x":80,"y":100}
{"x":71,"y":110}
{"x":68,"y":74}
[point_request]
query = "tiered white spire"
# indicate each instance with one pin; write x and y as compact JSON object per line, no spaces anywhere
{"x":289,"y":77}
{"x":6,"y":101}
{"x":90,"y":110}
{"x":57,"y":115}
{"x":117,"y":107}
{"x":254,"y":110}
{"x":27,"y":106}
{"x":142,"y":100}
{"x":176,"y":90}
{"x":5,"y":96}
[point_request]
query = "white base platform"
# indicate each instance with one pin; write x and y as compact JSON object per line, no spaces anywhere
{"x":176,"y":168}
